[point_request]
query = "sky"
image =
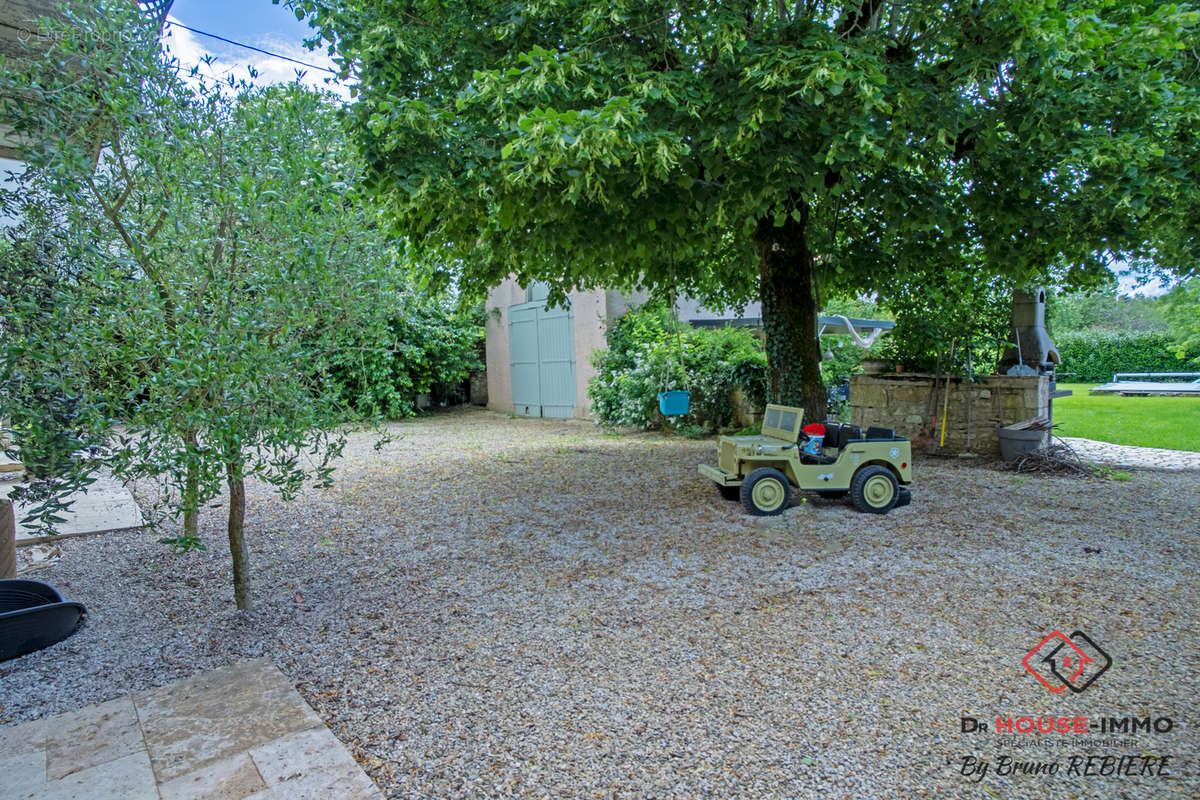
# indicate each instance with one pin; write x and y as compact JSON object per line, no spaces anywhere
{"x":1129,"y":285}
{"x":260,"y":23}
{"x":256,"y":22}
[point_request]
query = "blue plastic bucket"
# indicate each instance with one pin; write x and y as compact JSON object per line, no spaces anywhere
{"x":674,"y":404}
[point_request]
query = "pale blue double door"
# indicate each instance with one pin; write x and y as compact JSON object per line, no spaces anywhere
{"x":542,"y":357}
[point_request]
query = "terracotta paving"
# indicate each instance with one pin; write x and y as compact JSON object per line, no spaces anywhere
{"x":237,"y":733}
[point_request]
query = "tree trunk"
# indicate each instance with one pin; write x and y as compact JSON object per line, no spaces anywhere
{"x":237,"y":539}
{"x":191,"y":487}
{"x":788,"y":289}
{"x":8,"y":540}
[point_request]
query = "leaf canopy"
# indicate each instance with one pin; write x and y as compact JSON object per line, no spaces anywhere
{"x":623,"y":143}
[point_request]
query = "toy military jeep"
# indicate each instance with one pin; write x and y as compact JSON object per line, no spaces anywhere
{"x":874,"y":468}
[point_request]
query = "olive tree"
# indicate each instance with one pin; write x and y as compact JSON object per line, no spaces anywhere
{"x":210,"y":251}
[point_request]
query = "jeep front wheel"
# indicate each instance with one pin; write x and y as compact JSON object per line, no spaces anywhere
{"x":874,"y":489}
{"x":766,"y":492}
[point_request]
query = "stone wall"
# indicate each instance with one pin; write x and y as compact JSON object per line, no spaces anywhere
{"x":902,"y":402}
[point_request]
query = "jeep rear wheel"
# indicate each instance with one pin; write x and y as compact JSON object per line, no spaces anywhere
{"x":766,"y":492}
{"x":874,"y":489}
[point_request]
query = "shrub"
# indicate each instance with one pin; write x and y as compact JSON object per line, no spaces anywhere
{"x":966,"y":310}
{"x":425,"y":343}
{"x":1094,"y":356}
{"x":650,"y":352}
{"x":1103,"y":310}
{"x":1183,"y":313}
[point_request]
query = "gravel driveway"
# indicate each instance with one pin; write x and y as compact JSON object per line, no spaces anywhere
{"x":495,"y":607}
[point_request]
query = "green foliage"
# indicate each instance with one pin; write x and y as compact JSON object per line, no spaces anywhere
{"x":644,"y":358}
{"x":968,"y":310}
{"x":1183,"y":314}
{"x":210,"y":250}
{"x":1097,"y":355}
{"x":1104,"y":310}
{"x":688,"y":144}
{"x":41,"y":382}
{"x":610,"y":155}
{"x":425,"y":342}
{"x":692,"y":431}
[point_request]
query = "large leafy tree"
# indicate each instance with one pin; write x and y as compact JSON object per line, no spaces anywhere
{"x":192,"y":259}
{"x":1183,"y":314}
{"x":802,"y":148}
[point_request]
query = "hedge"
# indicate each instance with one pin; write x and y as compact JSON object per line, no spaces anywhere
{"x":1095,"y":356}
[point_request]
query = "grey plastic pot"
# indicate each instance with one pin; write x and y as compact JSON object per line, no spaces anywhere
{"x":1014,"y":444}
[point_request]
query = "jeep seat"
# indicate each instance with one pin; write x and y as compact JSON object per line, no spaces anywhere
{"x":837,"y":434}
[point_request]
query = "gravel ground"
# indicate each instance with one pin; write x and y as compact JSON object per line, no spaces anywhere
{"x":495,"y":607}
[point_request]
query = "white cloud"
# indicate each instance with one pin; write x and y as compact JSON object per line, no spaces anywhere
{"x":1131,"y":285}
{"x":191,"y":48}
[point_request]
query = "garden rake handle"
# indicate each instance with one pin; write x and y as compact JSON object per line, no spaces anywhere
{"x":946,"y":396}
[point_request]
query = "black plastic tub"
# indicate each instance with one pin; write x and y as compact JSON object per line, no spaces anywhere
{"x":34,"y":615}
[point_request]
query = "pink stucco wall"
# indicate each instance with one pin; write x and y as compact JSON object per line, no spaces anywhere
{"x":499,"y":372}
{"x":591,"y":331}
{"x":592,"y":309}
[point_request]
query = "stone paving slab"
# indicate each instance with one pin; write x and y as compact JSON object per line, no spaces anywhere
{"x":230,"y":734}
{"x":92,"y":736}
{"x":105,"y":507}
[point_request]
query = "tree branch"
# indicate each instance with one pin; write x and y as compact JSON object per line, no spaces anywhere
{"x":860,"y":20}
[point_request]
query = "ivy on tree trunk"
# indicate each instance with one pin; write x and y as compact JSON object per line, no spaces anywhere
{"x":788,"y":290}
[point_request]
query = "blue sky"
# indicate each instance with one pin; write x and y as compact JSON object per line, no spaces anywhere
{"x":244,"y":21}
{"x":260,"y":23}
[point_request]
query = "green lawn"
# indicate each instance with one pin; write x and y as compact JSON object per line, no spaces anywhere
{"x":1170,"y":422}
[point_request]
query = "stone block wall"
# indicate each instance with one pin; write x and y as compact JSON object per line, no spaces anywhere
{"x":903,"y":402}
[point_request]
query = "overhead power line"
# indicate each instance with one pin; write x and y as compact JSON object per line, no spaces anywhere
{"x":252,"y":47}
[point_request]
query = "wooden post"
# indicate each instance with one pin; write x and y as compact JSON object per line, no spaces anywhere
{"x":8,"y":540}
